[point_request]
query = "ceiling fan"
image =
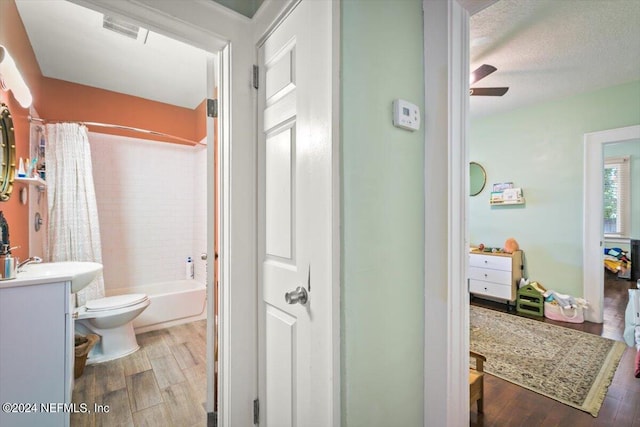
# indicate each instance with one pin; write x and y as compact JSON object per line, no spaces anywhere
{"x":480,"y":73}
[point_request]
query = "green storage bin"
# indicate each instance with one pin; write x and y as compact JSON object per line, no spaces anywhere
{"x":530,"y":301}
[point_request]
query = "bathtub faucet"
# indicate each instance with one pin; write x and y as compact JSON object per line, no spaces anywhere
{"x":30,"y":260}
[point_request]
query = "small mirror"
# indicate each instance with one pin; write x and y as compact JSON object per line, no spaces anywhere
{"x":477,"y":178}
{"x":7,"y":153}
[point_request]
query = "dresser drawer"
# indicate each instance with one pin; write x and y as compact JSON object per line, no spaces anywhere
{"x":490,"y":261}
{"x":491,"y":289}
{"x":488,"y":275}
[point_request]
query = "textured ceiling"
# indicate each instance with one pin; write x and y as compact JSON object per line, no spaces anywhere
{"x":546,"y":49}
{"x":543,"y":49}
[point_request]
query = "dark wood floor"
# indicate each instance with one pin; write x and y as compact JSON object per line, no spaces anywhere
{"x":508,"y":405}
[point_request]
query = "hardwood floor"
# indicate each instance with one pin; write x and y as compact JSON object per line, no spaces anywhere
{"x":508,"y":405}
{"x":162,"y":384}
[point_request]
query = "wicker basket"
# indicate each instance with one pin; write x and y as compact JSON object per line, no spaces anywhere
{"x":83,"y":347}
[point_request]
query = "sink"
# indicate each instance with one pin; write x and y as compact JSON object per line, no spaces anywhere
{"x":79,"y":273}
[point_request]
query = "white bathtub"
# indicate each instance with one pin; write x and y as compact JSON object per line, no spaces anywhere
{"x":172,"y":303}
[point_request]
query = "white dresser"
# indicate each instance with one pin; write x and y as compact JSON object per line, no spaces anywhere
{"x":495,"y":275}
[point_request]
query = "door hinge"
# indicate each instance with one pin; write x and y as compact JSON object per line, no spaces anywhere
{"x":256,"y":411}
{"x":212,"y":419}
{"x":212,"y":107}
{"x":256,"y":76}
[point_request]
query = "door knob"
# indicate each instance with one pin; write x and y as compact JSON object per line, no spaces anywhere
{"x":299,"y":296}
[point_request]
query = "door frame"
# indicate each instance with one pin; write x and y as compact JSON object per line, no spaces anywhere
{"x":450,"y":379}
{"x":446,"y":68}
{"x":267,"y":19}
{"x":152,"y":16}
{"x":592,"y":226}
{"x":446,"y":347}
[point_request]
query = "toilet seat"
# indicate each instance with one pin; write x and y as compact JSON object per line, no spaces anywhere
{"x":115,"y":302}
{"x":111,"y":318}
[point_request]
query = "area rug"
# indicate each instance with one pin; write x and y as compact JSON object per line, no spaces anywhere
{"x":572,"y":367}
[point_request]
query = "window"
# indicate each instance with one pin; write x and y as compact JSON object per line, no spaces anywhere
{"x":616,"y":196}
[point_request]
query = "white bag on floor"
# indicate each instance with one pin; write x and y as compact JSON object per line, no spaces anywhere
{"x":554,"y":311}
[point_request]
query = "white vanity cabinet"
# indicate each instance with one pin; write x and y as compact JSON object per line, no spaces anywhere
{"x":495,"y":275}
{"x":36,"y":354}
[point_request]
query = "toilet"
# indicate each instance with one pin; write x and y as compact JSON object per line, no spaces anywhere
{"x":112,"y":319}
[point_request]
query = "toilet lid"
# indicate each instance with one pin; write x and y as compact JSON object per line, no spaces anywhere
{"x":114,"y":302}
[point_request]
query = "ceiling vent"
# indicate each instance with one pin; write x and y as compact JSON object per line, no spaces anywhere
{"x":121,"y":27}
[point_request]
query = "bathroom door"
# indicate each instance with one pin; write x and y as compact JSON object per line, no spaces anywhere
{"x":296,"y":211}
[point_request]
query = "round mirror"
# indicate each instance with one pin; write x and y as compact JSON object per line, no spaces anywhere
{"x":477,"y":178}
{"x":7,"y":153}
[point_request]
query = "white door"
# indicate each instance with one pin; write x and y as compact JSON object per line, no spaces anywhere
{"x":295,"y":209}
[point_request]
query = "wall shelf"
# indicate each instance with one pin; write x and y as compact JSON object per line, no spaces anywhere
{"x":520,"y":201}
{"x":40,"y":183}
{"x":505,"y":194}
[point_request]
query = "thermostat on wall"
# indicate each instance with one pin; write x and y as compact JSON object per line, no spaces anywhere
{"x":406,"y":115}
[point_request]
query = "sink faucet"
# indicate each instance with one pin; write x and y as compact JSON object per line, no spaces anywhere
{"x":30,"y":260}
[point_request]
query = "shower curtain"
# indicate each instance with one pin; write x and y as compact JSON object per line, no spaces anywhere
{"x":74,"y":232}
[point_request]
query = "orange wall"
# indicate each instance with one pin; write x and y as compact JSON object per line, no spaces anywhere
{"x":59,"y":100}
{"x":14,"y":38}
{"x":73,"y":102}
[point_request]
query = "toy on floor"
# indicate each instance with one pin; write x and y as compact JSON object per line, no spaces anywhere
{"x":563,"y":300}
{"x":617,"y":261}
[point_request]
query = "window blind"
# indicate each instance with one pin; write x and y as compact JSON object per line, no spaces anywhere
{"x":616,"y":196}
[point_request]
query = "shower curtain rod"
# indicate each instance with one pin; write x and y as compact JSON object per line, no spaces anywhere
{"x":112,"y":126}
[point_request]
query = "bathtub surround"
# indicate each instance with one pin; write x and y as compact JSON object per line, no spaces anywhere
{"x":74,"y":230}
{"x":151,"y":200}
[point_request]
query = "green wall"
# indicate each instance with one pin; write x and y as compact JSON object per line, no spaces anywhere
{"x":382,"y":215}
{"x":540,"y":149}
{"x":247,"y":8}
